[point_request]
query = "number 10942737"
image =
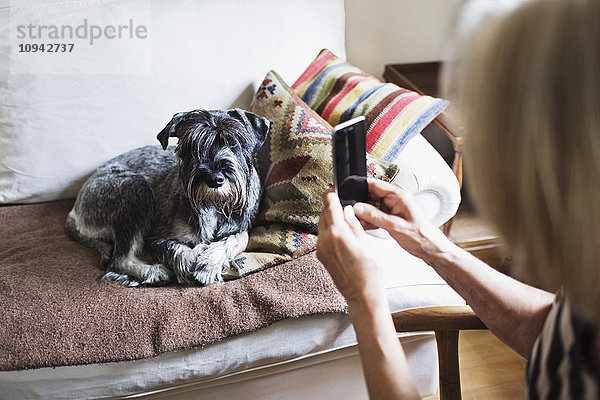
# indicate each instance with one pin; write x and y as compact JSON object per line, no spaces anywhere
{"x":46,"y":47}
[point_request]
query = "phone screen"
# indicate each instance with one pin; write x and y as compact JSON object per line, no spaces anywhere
{"x":350,"y":163}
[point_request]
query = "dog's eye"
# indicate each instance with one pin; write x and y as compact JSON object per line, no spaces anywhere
{"x":222,"y":166}
{"x":203,"y":169}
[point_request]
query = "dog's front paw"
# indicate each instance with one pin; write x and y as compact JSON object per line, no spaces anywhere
{"x":211,"y":262}
{"x":186,"y":262}
{"x":208,"y":275}
{"x":123,"y":279}
{"x":215,"y":257}
{"x":149,"y":275}
{"x":157,"y":275}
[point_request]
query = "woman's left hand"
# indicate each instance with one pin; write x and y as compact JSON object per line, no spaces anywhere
{"x":342,"y":247}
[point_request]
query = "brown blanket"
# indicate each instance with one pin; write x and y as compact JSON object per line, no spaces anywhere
{"x":54,"y":310}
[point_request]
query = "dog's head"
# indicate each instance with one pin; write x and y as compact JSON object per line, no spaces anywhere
{"x":215,"y":152}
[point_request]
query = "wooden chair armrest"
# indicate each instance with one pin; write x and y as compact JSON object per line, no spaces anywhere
{"x":441,"y":318}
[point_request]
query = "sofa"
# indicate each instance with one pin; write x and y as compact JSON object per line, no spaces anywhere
{"x":275,"y":332}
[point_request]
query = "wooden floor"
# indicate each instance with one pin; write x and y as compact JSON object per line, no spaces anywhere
{"x":489,"y":369}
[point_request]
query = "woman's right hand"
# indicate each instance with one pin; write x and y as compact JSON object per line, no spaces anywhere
{"x":399,"y":215}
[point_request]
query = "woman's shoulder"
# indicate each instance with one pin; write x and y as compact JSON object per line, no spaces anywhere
{"x":560,"y":365}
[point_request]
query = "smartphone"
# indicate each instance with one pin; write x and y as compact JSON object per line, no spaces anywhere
{"x":350,"y":161}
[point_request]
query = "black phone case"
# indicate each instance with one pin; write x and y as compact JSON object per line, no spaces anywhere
{"x":350,"y":162}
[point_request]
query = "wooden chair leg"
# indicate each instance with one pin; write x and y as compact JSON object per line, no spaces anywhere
{"x":446,"y":322}
{"x":447,"y":344}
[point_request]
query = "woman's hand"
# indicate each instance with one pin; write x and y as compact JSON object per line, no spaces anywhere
{"x":400,"y":216}
{"x":342,"y":248}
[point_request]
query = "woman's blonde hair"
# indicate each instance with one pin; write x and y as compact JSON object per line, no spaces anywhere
{"x":529,"y":92}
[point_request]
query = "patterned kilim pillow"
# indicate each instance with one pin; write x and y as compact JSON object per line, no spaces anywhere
{"x":339,"y":91}
{"x":295,"y":167}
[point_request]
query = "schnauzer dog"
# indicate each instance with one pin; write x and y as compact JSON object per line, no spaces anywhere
{"x":159,"y":215}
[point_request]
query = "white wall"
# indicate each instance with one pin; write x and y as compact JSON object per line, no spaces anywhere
{"x":380,"y":32}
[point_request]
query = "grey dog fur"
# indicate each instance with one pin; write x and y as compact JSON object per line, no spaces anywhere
{"x":157,"y":215}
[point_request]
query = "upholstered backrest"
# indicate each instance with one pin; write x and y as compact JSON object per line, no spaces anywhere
{"x":62,"y":114}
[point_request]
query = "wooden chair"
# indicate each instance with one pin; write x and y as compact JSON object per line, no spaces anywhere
{"x":446,"y":322}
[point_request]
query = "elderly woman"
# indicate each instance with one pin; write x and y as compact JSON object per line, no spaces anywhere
{"x":530,"y":100}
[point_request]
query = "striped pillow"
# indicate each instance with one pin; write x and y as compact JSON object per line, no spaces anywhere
{"x":339,"y":91}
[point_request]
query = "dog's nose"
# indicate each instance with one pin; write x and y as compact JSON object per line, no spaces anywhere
{"x":216,"y":180}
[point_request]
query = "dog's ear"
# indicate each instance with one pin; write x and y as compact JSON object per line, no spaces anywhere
{"x":171,"y":129}
{"x":253,"y":123}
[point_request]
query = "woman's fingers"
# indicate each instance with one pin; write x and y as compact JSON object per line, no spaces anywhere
{"x":337,"y":216}
{"x":381,"y":189}
{"x":352,"y":221}
{"x":332,"y":211}
{"x":374,"y":216}
{"x":396,"y":215}
{"x":395,"y":200}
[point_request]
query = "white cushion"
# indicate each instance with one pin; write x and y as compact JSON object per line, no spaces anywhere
{"x":62,"y":115}
{"x":425,"y":174}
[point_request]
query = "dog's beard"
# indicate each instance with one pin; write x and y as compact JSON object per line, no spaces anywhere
{"x":226,"y":199}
